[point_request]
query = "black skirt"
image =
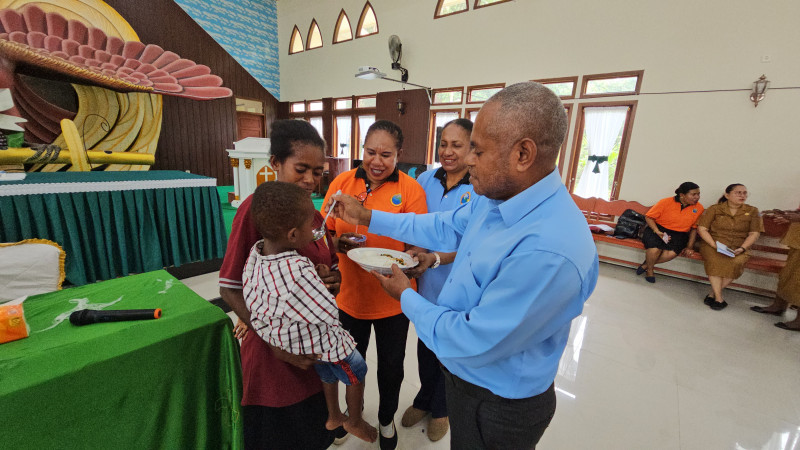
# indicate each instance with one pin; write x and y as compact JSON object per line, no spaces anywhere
{"x":677,"y":242}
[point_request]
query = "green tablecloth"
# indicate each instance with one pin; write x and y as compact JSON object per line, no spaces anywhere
{"x":174,"y":382}
{"x":111,"y":224}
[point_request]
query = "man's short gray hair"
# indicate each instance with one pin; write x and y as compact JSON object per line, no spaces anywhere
{"x":530,"y":110}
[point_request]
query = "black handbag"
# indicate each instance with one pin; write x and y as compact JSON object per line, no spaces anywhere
{"x":630,"y":225}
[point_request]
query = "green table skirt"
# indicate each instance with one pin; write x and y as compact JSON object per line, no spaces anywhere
{"x":174,"y":382}
{"x":111,"y":234}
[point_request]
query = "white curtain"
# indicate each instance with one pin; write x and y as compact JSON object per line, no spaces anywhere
{"x":343,"y":127}
{"x":602,"y":128}
{"x":364,"y":123}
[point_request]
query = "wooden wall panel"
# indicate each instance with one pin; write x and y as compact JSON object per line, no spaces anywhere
{"x":195,"y":134}
{"x":414,"y":122}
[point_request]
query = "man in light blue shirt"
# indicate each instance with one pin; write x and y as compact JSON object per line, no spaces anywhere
{"x":526,"y":263}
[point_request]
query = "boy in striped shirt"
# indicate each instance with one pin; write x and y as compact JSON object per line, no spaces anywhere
{"x":291,"y":308}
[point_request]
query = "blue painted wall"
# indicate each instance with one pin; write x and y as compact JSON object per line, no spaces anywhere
{"x":247,"y":29}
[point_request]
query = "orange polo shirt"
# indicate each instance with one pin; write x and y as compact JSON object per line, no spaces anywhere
{"x":361,"y":295}
{"x":668,"y":213}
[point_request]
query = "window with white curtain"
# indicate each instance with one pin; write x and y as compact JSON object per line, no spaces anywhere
{"x":316,"y":122}
{"x":440,"y":119}
{"x":364,"y":123}
{"x":344,"y":134}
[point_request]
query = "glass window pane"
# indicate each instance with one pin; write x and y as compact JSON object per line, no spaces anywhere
{"x":561,"y":89}
{"x":369,"y":25}
{"x":487,"y":2}
{"x":363,"y":125}
{"x":298,"y":107}
{"x":473,"y":115}
{"x":439,"y":121}
{"x":315,"y":106}
{"x":343,"y":30}
{"x":366,"y":102}
{"x":316,"y":122}
{"x":451,"y":6}
{"x":297,"y":42}
{"x":343,"y":104}
{"x":611,"y":131}
{"x":314,"y":38}
{"x":611,"y":85}
{"x":481,"y":95}
{"x":447,"y":97}
{"x":343,"y":135}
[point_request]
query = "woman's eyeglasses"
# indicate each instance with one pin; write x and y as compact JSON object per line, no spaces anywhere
{"x":362,"y":197}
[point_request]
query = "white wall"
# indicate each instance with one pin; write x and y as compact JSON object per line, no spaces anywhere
{"x":713,"y":139}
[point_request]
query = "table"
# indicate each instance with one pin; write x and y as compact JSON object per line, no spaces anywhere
{"x":112,"y":224}
{"x":174,"y":382}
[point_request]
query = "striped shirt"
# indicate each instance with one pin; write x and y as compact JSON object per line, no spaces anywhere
{"x":290,"y":307}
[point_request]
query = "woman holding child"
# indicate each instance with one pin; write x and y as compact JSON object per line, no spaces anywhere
{"x":671,"y":228}
{"x":283,"y":405}
{"x":735,"y":225}
{"x":363,"y":304}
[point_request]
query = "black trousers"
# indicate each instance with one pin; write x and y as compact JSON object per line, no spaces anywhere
{"x":431,"y":396}
{"x":390,"y":339}
{"x":301,"y":425}
{"x":480,"y":419}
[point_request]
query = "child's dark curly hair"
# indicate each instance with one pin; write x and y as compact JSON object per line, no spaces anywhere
{"x":278,"y":207}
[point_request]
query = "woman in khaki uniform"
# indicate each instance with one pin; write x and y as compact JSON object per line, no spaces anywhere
{"x":735,"y":224}
{"x":789,"y":278}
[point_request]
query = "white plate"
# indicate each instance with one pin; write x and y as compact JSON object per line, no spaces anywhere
{"x":380,"y":259}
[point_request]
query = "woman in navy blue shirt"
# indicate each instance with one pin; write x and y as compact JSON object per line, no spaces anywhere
{"x":446,"y":188}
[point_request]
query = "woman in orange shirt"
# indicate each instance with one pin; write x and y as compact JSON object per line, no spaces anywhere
{"x":671,"y":228}
{"x":363,"y":304}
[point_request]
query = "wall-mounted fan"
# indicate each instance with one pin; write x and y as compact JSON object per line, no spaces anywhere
{"x":396,"y":52}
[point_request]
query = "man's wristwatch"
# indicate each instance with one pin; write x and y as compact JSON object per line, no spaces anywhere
{"x":437,"y":262}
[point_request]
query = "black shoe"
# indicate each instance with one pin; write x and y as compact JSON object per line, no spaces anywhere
{"x":717,"y":306}
{"x":709,"y":300}
{"x":340,"y":435}
{"x":650,"y":279}
{"x":388,"y":443}
{"x":640,"y":270}
{"x":762,"y":310}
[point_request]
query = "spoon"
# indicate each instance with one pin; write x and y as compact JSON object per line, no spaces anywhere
{"x":319,"y":233}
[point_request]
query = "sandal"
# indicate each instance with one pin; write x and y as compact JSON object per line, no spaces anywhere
{"x":783,"y":326}
{"x":762,"y":310}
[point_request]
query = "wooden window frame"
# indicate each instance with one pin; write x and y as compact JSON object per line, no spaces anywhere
{"x":451,"y":89}
{"x":361,"y":21}
{"x":469,"y":110}
{"x":623,"y":146}
{"x":343,"y":14}
{"x":604,"y":76}
{"x":310,"y":31}
{"x":478,"y":87}
{"x":353,"y":138}
{"x":436,"y":14}
{"x":296,"y":32}
{"x":352,"y":103}
{"x":562,"y":153}
{"x":476,"y":6}
{"x":432,"y":129}
{"x":363,"y":108}
{"x":573,"y":80}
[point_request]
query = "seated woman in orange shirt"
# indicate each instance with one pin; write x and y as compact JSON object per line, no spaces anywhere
{"x":671,"y":228}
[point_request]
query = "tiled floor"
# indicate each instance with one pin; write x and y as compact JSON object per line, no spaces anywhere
{"x":651,"y":367}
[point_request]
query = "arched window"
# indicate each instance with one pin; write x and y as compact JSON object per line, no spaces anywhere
{"x":367,"y":23}
{"x":342,"y":32}
{"x":314,"y":39}
{"x":296,"y":43}
{"x":449,"y":7}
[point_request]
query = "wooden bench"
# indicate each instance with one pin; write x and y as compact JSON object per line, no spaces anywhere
{"x":767,"y":255}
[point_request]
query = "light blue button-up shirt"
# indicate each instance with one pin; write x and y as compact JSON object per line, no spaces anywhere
{"x":524,"y":268}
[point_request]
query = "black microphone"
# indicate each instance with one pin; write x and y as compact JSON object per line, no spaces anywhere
{"x":88,"y":316}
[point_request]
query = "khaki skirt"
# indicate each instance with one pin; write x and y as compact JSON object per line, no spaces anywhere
{"x":789,"y":278}
{"x":719,"y":265}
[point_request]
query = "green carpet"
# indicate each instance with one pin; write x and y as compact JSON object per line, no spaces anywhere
{"x":229,"y":211}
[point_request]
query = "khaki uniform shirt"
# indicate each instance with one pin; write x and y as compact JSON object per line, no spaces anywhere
{"x":729,"y":229}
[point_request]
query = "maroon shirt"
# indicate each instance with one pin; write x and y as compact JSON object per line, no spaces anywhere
{"x":267,"y":380}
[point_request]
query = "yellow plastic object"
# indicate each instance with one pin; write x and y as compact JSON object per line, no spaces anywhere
{"x":23,"y":155}
{"x":77,"y":152}
{"x":12,"y":323}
